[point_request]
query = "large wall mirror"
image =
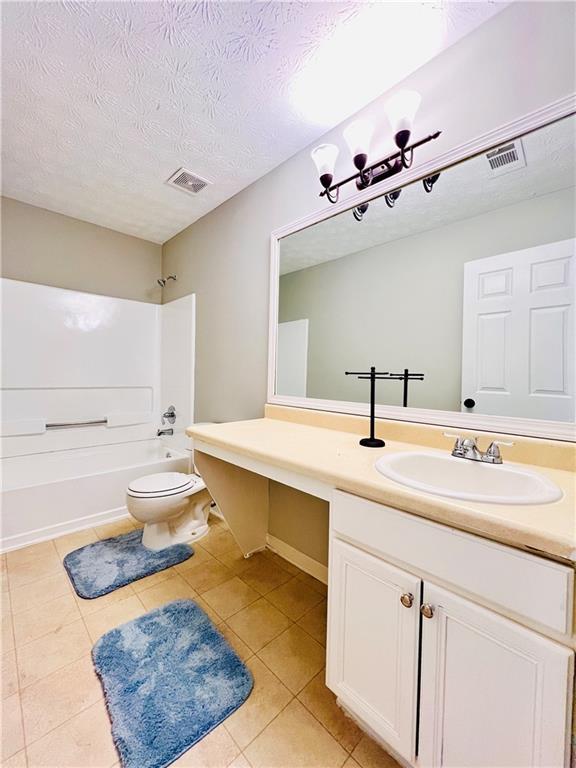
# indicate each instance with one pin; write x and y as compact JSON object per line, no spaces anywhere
{"x":470,"y":286}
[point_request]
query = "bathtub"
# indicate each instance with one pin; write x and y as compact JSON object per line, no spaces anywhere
{"x":45,"y":495}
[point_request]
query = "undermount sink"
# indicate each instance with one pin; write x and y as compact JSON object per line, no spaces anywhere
{"x":470,"y":480}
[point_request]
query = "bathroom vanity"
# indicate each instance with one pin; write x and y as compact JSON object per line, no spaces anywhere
{"x":440,"y":611}
{"x":451,"y":577}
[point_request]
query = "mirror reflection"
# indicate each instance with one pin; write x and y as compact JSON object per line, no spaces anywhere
{"x":469,"y":287}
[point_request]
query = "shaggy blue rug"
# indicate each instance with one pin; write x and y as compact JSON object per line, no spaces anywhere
{"x":169,"y":678}
{"x":104,"y":566}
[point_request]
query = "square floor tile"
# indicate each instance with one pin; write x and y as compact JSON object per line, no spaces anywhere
{"x":206,"y":575}
{"x":314,"y":622}
{"x":275,"y":558}
{"x":49,"y":617}
{"x":71,"y":541}
{"x":153,"y":580}
{"x":295,"y":739}
{"x":321,"y":702}
{"x":269,"y":697}
{"x":264,"y":576}
{"x":173,"y":588}
{"x":239,"y":645}
{"x":35,"y":594}
{"x":218,"y":541}
{"x":230,"y":597}
{"x":259,"y":623}
{"x":57,"y":697}
{"x":200,"y":556}
{"x":216,"y":750}
{"x":294,"y":657}
{"x":28,"y":554}
{"x":84,"y":740}
{"x":53,"y":651}
{"x":88,"y":607}
{"x":113,"y":616}
{"x":24,"y":571}
{"x":295,"y":598}
{"x":316,"y":585}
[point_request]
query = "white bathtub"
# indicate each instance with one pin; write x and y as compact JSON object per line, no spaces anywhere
{"x":45,"y":495}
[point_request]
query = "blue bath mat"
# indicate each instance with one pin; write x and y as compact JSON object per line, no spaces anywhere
{"x":169,"y":678}
{"x":104,"y":566}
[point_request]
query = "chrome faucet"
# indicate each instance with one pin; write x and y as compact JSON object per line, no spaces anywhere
{"x":467,"y":448}
{"x":162,"y":432}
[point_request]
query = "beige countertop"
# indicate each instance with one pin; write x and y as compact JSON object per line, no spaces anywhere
{"x":335,"y":458}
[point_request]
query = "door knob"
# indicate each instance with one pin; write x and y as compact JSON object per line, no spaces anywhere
{"x":407,"y":599}
{"x":427,"y":610}
{"x":469,"y":403}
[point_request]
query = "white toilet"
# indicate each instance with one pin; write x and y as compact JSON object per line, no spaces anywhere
{"x":173,"y":506}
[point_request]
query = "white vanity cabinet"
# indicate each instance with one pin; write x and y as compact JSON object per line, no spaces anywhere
{"x":373,"y":642}
{"x":441,"y":679}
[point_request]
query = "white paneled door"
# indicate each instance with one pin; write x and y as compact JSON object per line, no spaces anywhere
{"x":518,"y":342}
{"x":372,"y":658}
{"x":493,"y":694}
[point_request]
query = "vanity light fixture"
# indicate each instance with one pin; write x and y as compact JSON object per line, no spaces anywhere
{"x":401,"y":110}
{"x":391,"y":197}
{"x":429,"y":181}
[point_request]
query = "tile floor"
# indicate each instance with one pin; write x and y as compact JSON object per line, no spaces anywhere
{"x":53,"y":713}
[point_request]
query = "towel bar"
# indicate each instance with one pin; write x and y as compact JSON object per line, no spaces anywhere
{"x":71,"y":424}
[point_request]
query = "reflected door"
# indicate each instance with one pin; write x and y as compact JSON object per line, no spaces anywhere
{"x":518,"y":353}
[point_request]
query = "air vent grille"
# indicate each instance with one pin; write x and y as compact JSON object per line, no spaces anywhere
{"x":507,"y":158}
{"x":187,"y":181}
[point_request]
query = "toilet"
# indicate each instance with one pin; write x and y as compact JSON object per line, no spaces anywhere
{"x":173,"y":506}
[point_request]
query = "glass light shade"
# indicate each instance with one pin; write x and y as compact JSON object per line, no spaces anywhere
{"x":324,"y":157}
{"x":401,"y":110}
{"x":358,"y":136}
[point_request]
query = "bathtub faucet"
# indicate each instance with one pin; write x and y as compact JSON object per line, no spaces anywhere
{"x":162,"y":432}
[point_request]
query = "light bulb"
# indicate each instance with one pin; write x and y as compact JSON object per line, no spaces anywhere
{"x":401,"y":110}
{"x":358,"y":135}
{"x":324,"y":157}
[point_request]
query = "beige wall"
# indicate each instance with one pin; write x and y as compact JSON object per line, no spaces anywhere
{"x":375,"y":306}
{"x":482,"y":82}
{"x":39,"y":246}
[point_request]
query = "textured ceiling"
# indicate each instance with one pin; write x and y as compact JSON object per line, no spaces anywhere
{"x":103,"y":101}
{"x":467,"y":190}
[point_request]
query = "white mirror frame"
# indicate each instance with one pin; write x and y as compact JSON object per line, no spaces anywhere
{"x":555,"y":430}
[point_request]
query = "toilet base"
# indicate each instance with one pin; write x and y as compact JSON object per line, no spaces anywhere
{"x":188,"y":527}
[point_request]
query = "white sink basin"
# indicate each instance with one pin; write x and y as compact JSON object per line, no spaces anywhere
{"x":471,"y":480}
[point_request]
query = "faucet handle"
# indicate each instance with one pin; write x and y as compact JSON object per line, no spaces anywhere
{"x":458,"y":449}
{"x":492,"y":454}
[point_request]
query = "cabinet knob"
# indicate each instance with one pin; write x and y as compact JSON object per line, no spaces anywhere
{"x":427,"y":610}
{"x":407,"y":600}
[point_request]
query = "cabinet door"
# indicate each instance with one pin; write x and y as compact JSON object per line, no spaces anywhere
{"x":493,"y":694}
{"x":372,"y":657}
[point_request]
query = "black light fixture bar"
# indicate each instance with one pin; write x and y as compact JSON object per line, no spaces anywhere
{"x":381,"y":169}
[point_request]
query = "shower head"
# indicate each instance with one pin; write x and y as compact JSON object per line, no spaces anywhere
{"x":163,"y":280}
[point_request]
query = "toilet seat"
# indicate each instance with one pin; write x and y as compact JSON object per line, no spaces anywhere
{"x":164,"y":484}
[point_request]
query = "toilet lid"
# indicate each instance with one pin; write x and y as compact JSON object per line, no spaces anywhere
{"x":161,"y":482}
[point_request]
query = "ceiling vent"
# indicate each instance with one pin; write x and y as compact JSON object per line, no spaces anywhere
{"x":507,"y":158}
{"x":187,"y":181}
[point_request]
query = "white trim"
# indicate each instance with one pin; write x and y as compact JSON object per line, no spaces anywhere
{"x":60,"y":529}
{"x":508,"y":425}
{"x":297,"y":558}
